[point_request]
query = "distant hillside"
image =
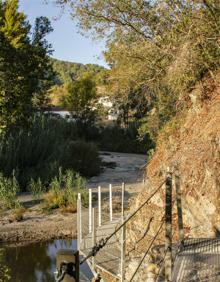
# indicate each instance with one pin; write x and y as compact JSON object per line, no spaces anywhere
{"x":68,"y":72}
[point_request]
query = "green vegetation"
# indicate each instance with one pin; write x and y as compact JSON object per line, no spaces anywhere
{"x":36,"y":188}
{"x":156,"y":55}
{"x":9,"y":188}
{"x":63,"y":192}
{"x":68,"y":71}
{"x":79,"y":97}
{"x":159,"y":52}
{"x":25,"y":69}
{"x":69,"y":76}
{"x":39,"y":151}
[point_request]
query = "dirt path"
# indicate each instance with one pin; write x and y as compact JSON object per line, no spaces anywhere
{"x":38,"y":226}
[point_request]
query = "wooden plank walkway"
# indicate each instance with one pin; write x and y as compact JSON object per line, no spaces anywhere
{"x":198,"y":260}
{"x":108,"y":258}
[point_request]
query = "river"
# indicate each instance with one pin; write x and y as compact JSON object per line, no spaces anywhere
{"x":37,"y":262}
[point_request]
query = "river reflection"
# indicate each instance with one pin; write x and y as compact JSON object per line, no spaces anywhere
{"x":37,"y":262}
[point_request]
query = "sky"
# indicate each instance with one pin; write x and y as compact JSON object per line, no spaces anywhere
{"x":67,"y":43}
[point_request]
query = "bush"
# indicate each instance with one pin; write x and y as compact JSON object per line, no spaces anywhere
{"x":39,"y":151}
{"x":64,"y":190}
{"x":8,"y":192}
{"x":126,"y":140}
{"x":83,"y":157}
{"x":36,"y":188}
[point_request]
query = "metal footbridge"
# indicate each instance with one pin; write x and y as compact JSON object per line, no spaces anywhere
{"x":107,"y":247}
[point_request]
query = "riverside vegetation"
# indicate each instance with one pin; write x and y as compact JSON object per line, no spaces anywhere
{"x":151,"y":77}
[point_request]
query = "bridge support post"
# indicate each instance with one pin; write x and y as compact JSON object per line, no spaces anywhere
{"x":93,"y":234}
{"x":110,"y":202}
{"x":179,"y":206}
{"x":90,"y":210}
{"x":67,"y":266}
{"x":168,"y":228}
{"x":79,"y":222}
{"x":123,"y":235}
{"x":99,"y":206}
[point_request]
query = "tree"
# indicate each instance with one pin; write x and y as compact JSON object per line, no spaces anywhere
{"x":42,"y":65}
{"x":24,"y":68}
{"x":166,"y":46}
{"x":80,"y":95}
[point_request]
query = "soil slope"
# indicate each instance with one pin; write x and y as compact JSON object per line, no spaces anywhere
{"x":195,"y":149}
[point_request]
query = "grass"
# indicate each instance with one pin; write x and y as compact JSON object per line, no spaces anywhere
{"x":63,"y":192}
{"x":18,"y":214}
{"x":9,"y":189}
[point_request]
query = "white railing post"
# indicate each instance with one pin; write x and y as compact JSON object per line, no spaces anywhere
{"x":93,"y":234}
{"x":123,"y":235}
{"x":79,"y":222}
{"x":90,"y":210}
{"x":99,"y":206}
{"x":110,"y":202}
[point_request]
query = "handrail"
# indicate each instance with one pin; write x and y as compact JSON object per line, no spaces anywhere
{"x":148,"y":249}
{"x":97,"y":247}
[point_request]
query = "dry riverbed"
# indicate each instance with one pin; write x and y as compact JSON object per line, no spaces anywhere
{"x":37,"y":225}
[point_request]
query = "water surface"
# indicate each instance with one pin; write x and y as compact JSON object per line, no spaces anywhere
{"x":37,"y":262}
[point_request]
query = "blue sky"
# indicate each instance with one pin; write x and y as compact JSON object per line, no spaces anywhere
{"x":67,"y":43}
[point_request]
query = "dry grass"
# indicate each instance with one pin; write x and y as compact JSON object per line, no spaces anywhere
{"x":18,"y":214}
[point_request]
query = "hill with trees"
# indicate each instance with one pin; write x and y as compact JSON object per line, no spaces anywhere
{"x":68,"y":72}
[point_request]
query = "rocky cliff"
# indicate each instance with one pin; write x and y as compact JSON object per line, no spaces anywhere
{"x":194,"y":147}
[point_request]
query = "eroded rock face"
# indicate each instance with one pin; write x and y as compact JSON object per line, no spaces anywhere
{"x":195,"y":149}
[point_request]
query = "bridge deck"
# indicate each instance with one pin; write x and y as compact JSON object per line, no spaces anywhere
{"x":107,"y":258}
{"x":198,"y":260}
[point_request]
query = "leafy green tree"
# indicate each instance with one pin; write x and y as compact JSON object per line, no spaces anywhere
{"x":166,"y":46}
{"x":44,"y":73}
{"x":25,"y":70}
{"x":80,"y":95}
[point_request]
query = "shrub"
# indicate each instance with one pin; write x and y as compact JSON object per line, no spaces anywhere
{"x":63,"y":192}
{"x":127,"y":140}
{"x":83,"y":157}
{"x":18,"y":214}
{"x":39,"y":151}
{"x":36,"y":188}
{"x":8,"y":192}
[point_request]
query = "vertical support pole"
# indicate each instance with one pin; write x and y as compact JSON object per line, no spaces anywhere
{"x":144,"y":175}
{"x":79,"y":222}
{"x":110,"y":202}
{"x":123,"y":235}
{"x":68,"y":257}
{"x":168,"y":228}
{"x":93,"y":235}
{"x":179,"y":206}
{"x":100,"y":205}
{"x":90,"y":210}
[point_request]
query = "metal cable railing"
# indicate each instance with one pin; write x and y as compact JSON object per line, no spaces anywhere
{"x":147,"y":252}
{"x":101,"y":243}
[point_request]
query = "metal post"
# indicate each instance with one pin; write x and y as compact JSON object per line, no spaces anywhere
{"x":90,"y":210}
{"x":144,"y":177}
{"x":110,"y":202}
{"x":68,"y":263}
{"x":79,"y":222}
{"x":168,"y":226}
{"x":100,"y":205}
{"x":179,"y":206}
{"x":123,"y":235}
{"x":93,"y":234}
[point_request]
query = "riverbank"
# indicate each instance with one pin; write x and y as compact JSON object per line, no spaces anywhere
{"x":36,"y":225}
